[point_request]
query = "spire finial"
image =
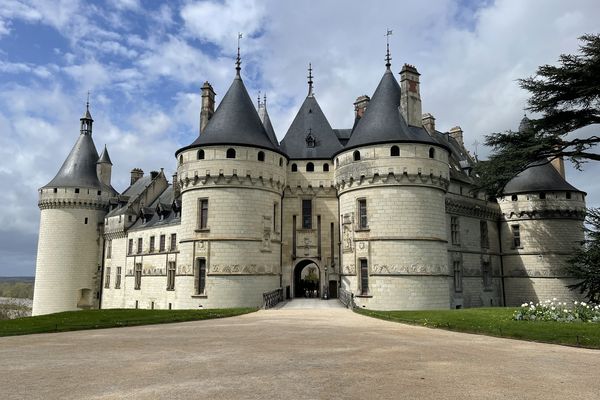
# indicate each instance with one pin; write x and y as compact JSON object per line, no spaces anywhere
{"x":259,"y":99}
{"x":87,"y":103}
{"x":265,"y":99}
{"x":388,"y":57}
{"x":310,"y":81}
{"x":238,"y":61}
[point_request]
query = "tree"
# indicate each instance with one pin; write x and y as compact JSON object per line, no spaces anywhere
{"x":585,"y":263}
{"x":568,"y":98}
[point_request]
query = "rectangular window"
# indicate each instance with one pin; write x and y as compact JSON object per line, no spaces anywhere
{"x":151,"y":244}
{"x":107,"y":278}
{"x":486,"y":272}
{"x":139,"y":247}
{"x":130,"y":247}
{"x":275,"y":217}
{"x":306,"y":214}
{"x":138,"y":276}
{"x":203,"y":213}
{"x":362,"y":214}
{"x":173,"y":242}
{"x":161,"y":243}
{"x":457,"y":276}
{"x":455,"y":230}
{"x":118,"y":278}
{"x":109,"y":249}
{"x":483,"y":231}
{"x":364,"y":277}
{"x":200,"y":275}
{"x":516,"y":231}
{"x":171,"y":275}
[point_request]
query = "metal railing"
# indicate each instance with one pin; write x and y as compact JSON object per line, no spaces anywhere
{"x":347,"y":298}
{"x":272,"y":298}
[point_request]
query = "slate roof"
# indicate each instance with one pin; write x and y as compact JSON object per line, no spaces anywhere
{"x":162,"y":206}
{"x":343,"y":135}
{"x":104,"y":157}
{"x":310,"y":118}
{"x":382,"y":121}
{"x":79,"y":168}
{"x":266,"y":121}
{"x":541,"y":177}
{"x":235,"y":122}
{"x":130,"y":194}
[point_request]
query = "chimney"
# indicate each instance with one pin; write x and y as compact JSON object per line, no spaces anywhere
{"x":176,"y":189}
{"x":208,"y":105}
{"x":559,"y":164}
{"x":360,"y":105}
{"x":153,"y":174}
{"x":136,"y":174}
{"x":429,"y":123}
{"x":410,"y":97}
{"x":457,"y":133}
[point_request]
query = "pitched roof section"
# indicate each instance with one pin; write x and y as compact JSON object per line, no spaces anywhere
{"x":266,"y":121}
{"x":79,"y":169}
{"x":382,"y":121}
{"x":541,"y":177}
{"x":310,"y":119}
{"x":104,"y":157}
{"x":235,"y":122}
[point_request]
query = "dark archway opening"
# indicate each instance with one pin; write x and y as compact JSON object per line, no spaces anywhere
{"x":307,"y":279}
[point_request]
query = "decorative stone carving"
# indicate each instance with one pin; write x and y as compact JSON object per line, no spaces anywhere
{"x":237,"y":269}
{"x":349,"y":269}
{"x":413,"y":269}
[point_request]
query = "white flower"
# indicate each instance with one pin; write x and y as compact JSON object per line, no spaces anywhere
{"x":583,"y":304}
{"x":554,"y":299}
{"x":575,"y":302}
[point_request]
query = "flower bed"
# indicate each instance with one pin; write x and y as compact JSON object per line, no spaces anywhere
{"x":554,"y":310}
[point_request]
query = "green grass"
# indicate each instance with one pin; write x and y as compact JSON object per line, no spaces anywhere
{"x":497,"y":322}
{"x":97,"y":319}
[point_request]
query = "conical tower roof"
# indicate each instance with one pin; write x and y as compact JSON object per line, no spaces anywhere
{"x":382,"y":121}
{"x":79,"y":169}
{"x":104,"y":157}
{"x":235,"y":122}
{"x":310,"y":136}
{"x":539,"y":177}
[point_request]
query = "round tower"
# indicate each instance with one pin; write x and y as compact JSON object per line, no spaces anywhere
{"x":392,"y":178}
{"x":232,"y":179}
{"x":542,"y":225}
{"x":73,"y":206}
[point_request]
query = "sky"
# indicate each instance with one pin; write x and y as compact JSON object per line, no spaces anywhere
{"x":145,"y":61}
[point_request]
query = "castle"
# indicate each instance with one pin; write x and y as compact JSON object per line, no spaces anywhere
{"x":384,"y":211}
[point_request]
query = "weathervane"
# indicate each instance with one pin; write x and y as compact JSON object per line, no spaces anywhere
{"x":238,"y":61}
{"x":388,"y":57}
{"x":87,"y":103}
{"x":310,"y":81}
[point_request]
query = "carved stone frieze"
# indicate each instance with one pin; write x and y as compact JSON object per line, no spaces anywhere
{"x":472,"y":209}
{"x":412,"y":269}
{"x":237,"y":269}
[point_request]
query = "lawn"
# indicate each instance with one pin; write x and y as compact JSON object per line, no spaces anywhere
{"x":95,"y":319}
{"x":497,"y":322}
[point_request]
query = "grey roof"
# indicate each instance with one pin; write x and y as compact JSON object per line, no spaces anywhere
{"x":104,"y":157}
{"x":266,"y":121}
{"x":310,"y":118}
{"x":79,"y":169}
{"x":540,"y":177}
{"x":382,"y":121}
{"x":163,"y":205}
{"x":130,"y":194}
{"x":235,"y":122}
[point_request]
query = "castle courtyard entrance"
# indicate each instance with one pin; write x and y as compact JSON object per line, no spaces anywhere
{"x":307,"y":279}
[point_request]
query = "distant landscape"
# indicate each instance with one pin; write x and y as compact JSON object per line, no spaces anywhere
{"x":20,"y":287}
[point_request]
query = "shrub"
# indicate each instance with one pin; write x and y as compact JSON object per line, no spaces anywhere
{"x":554,"y":310}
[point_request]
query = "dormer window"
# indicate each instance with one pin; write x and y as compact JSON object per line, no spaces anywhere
{"x":230,"y":153}
{"x":310,"y":139}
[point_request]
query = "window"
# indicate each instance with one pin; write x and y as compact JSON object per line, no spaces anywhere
{"x":294,"y":168}
{"x":457,"y":276}
{"x":200,"y":155}
{"x":130,"y":247}
{"x":85,"y":221}
{"x":275,"y":206}
{"x":395,"y":151}
{"x":486,"y":272}
{"x":109,"y":249}
{"x":356,"y":155}
{"x":181,"y":159}
{"x":455,"y":230}
{"x":76,"y":190}
{"x":483,"y":232}
{"x":431,"y":152}
{"x":139,"y":247}
{"x":230,"y":153}
{"x":173,"y":246}
{"x":202,"y":213}
{"x":362,"y":214}
{"x":516,"y":231}
{"x":364,"y":277}
{"x":542,"y":196}
{"x":310,"y":167}
{"x":152,"y":244}
{"x":280,"y":161}
{"x":200,"y":275}
{"x":118,"y":278}
{"x":161,"y":243}
{"x":138,"y":276}
{"x":55,"y":190}
{"x":568,"y":195}
{"x":325,"y":167}
{"x":307,"y":214}
{"x":171,"y":275}
{"x":261,"y":156}
{"x":514,"y":197}
{"x":337,"y":162}
{"x":107,"y":278}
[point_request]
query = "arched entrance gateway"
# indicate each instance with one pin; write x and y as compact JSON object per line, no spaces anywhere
{"x":307,"y":279}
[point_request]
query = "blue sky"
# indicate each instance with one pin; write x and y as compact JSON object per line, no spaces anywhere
{"x":145,"y":61}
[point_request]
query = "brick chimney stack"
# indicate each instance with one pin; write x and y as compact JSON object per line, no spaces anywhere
{"x":208,"y":105}
{"x":457,"y":133}
{"x":136,"y":174}
{"x":410,"y":98}
{"x":360,"y":105}
{"x":429,"y":123}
